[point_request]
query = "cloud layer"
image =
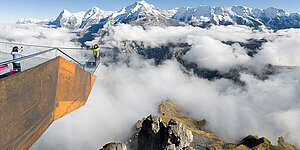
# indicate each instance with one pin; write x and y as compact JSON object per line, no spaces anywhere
{"x":208,"y":51}
{"x":125,"y":93}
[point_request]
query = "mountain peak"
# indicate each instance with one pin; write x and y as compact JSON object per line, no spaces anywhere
{"x":66,"y":11}
{"x":137,"y":7}
{"x":65,"y":14}
{"x":95,"y":9}
{"x":144,"y":3}
{"x":240,"y":6}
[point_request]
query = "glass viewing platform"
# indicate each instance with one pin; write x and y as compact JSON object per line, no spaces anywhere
{"x":34,"y":55}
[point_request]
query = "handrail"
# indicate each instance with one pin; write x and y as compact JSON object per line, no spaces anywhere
{"x":26,"y":57}
{"x":45,"y":46}
{"x":39,"y":53}
{"x":40,"y":45}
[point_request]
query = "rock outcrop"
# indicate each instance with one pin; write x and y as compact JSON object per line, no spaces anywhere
{"x":153,"y":134}
{"x":174,"y":131}
{"x":114,"y":146}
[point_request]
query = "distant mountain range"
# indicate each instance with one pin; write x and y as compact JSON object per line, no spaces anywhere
{"x":142,"y":13}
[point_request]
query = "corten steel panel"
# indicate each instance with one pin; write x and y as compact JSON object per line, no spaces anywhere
{"x":31,"y":100}
{"x":73,"y":88}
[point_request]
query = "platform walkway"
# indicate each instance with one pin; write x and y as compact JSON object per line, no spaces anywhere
{"x":83,"y":58}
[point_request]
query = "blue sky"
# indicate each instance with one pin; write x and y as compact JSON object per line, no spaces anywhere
{"x":11,"y":10}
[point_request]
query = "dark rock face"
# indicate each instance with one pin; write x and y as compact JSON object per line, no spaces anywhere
{"x":151,"y":135}
{"x":114,"y":146}
{"x":158,"y":54}
{"x":154,"y":134}
{"x":252,"y":141}
{"x":252,"y":45}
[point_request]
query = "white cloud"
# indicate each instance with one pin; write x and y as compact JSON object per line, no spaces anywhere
{"x":125,"y":93}
{"x":154,"y":36}
{"x":283,"y":51}
{"x":37,"y":35}
{"x":207,"y":50}
{"x":210,"y":53}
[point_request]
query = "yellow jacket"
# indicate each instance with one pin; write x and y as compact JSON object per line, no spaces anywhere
{"x":96,"y":51}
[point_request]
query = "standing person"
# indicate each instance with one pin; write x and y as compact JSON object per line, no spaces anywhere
{"x":16,"y":54}
{"x":96,"y":52}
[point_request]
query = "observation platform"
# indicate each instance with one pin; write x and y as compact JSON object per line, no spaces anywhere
{"x":46,"y":90}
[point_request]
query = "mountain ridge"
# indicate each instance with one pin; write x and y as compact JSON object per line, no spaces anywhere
{"x":201,"y":16}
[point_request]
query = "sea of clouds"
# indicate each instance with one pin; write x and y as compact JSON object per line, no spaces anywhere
{"x":127,"y":92}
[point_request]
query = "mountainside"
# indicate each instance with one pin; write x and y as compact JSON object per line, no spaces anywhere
{"x":80,"y":19}
{"x":204,"y":16}
{"x":93,"y":16}
{"x":68,"y":19}
{"x":142,"y":13}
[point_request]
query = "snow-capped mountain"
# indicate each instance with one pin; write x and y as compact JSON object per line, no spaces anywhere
{"x":68,"y":19}
{"x":80,"y":19}
{"x":93,"y":16}
{"x":142,"y":13}
{"x":33,"y":21}
{"x":204,"y":16}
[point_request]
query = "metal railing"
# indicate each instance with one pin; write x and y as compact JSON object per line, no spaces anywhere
{"x":39,"y":53}
{"x":44,"y":46}
{"x":80,"y":56}
{"x":26,"y":57}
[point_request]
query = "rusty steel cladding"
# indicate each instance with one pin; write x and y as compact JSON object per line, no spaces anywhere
{"x":31,"y":100}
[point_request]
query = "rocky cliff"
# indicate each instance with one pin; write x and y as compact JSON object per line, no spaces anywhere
{"x":173,"y":131}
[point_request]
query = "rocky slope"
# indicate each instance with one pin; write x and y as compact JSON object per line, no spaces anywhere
{"x":173,"y":131}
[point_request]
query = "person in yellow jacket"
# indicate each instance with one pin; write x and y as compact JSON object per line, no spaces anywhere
{"x":96,"y":52}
